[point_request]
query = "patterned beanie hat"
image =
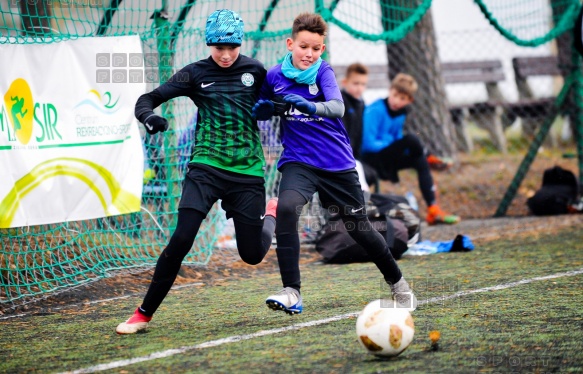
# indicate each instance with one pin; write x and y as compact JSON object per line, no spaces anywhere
{"x":224,"y":27}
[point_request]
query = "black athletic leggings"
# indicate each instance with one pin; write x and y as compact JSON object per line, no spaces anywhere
{"x":405,"y":153}
{"x":253,"y":242}
{"x":288,"y":242}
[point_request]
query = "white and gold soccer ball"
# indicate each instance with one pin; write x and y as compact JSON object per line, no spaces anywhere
{"x":384,"y":331}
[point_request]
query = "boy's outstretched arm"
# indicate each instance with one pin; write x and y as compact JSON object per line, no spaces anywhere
{"x":301,"y":104}
{"x":177,"y":85}
{"x":332,"y":109}
{"x":144,"y":112}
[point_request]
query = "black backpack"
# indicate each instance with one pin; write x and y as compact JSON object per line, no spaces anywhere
{"x":390,"y":215}
{"x":559,"y":190}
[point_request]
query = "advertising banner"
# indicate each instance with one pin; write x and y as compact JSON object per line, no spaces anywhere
{"x":70,"y":147}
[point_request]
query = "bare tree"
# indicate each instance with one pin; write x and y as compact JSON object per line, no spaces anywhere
{"x":417,"y":54}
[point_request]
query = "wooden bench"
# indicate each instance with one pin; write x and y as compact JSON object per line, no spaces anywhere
{"x":531,"y":109}
{"x":489,"y":115}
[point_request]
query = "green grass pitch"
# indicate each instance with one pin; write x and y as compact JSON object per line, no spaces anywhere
{"x":530,"y":327}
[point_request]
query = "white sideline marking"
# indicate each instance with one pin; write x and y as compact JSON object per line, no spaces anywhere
{"x":502,"y":286}
{"x":238,"y":338}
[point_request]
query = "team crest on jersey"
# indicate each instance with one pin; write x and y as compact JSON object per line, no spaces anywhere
{"x":313,"y":89}
{"x":247,"y":79}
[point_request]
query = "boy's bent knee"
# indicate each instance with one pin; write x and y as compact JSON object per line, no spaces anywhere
{"x":252,"y":258}
{"x":287,"y":209}
{"x":290,"y":202}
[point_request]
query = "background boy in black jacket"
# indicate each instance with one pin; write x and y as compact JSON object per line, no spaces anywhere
{"x":353,"y":86}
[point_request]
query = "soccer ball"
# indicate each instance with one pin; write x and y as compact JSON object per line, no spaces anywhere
{"x":384,"y":330}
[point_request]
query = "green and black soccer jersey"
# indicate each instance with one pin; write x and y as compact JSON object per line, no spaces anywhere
{"x":226,"y":137}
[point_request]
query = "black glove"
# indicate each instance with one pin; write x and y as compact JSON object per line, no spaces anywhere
{"x":154,"y":124}
{"x":280,"y":106}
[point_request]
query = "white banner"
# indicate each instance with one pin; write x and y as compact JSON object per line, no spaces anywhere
{"x":70,"y":147}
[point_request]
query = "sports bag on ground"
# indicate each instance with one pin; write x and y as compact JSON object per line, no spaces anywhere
{"x":559,"y":190}
{"x":390,"y":215}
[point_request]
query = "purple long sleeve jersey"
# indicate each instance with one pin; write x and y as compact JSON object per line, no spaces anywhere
{"x":317,"y":141}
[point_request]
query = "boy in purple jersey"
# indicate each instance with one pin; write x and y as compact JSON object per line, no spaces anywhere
{"x":316,"y":158}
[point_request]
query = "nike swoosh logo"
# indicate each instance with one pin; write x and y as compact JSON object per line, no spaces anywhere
{"x":148,"y":126}
{"x":263,"y":216}
{"x":202,"y":85}
{"x":355,"y":210}
{"x":277,"y":89}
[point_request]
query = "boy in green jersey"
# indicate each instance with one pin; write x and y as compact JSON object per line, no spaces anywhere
{"x":227,"y":161}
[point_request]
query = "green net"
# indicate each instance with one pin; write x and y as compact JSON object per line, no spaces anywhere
{"x":387,"y":21}
{"x":530,"y":23}
{"x":46,"y":258}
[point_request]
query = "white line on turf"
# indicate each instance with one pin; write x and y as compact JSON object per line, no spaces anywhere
{"x":238,"y":338}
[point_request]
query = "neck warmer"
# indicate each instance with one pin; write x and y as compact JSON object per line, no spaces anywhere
{"x":307,"y":76}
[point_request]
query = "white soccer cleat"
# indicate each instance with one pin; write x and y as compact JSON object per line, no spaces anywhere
{"x":289,"y":300}
{"x":403,"y":295}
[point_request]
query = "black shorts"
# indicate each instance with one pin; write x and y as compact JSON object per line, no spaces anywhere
{"x":339,"y":191}
{"x":243,"y":199}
